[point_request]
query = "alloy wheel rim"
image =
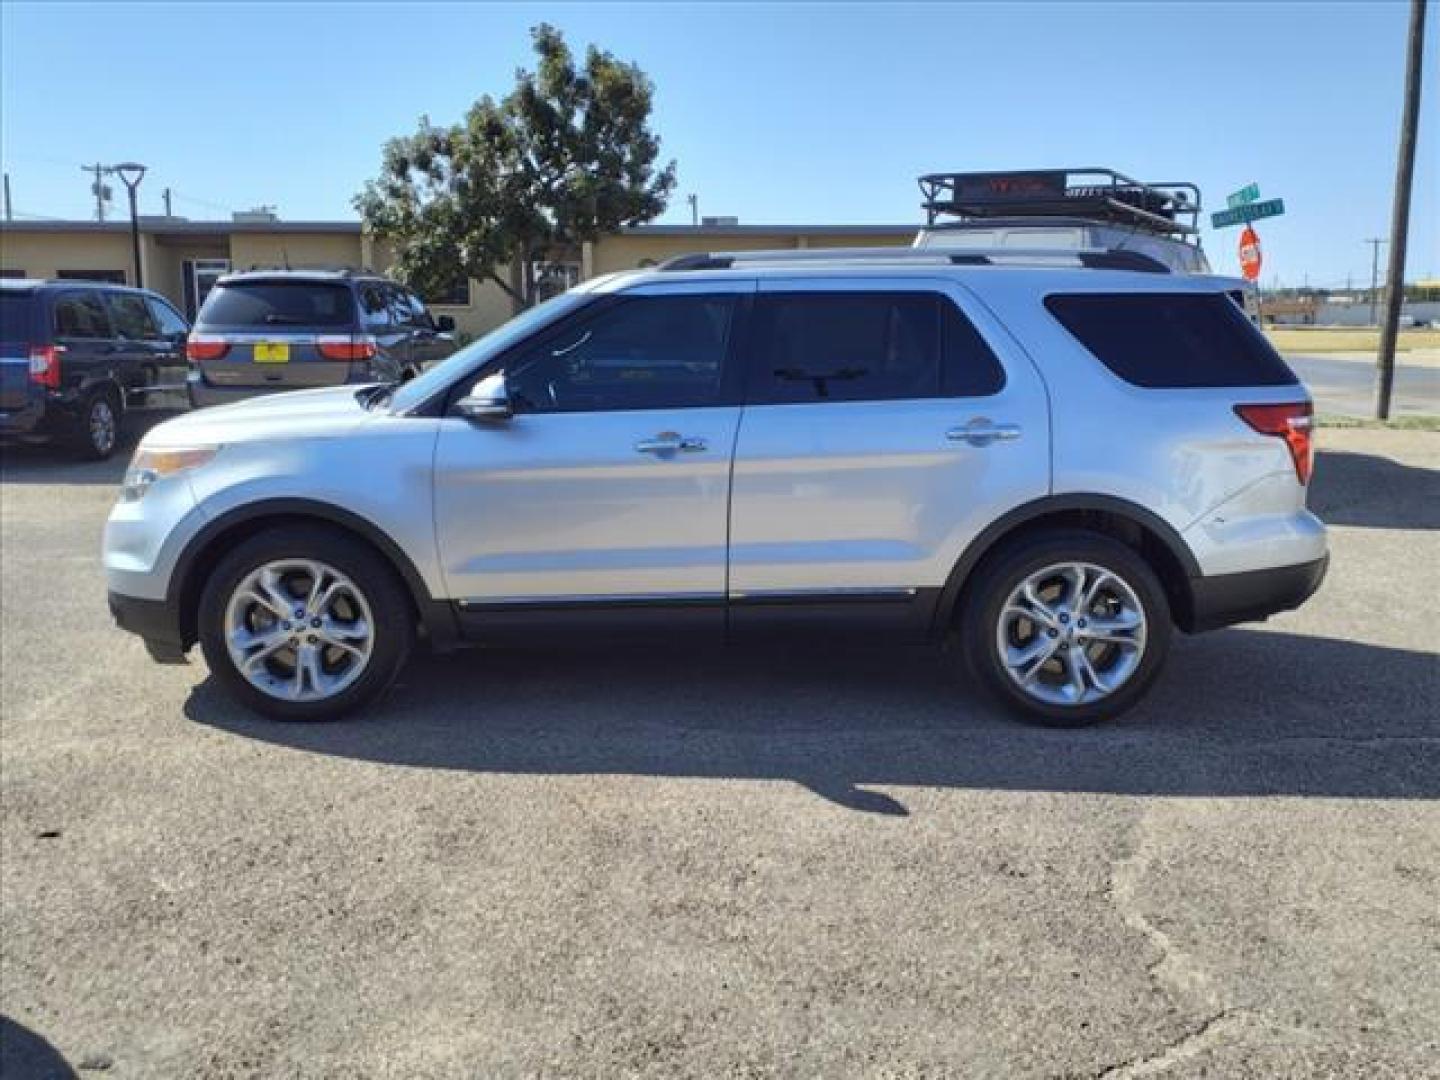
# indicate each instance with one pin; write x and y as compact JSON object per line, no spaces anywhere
{"x":1071,"y":634}
{"x":299,"y":630}
{"x":102,"y":426}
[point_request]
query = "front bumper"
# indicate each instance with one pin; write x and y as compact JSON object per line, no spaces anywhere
{"x":157,"y":622}
{"x":1225,"y":599}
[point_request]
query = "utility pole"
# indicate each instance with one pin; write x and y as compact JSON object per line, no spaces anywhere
{"x":9,"y":202}
{"x":98,"y":188}
{"x":1374,"y":243}
{"x":1400,"y":216}
{"x":694,"y":201}
{"x":168,"y":212}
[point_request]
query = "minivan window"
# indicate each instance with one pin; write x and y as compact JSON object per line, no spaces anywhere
{"x":15,"y":309}
{"x":278,"y":303}
{"x":80,"y":315}
{"x":131,"y":317}
{"x":374,"y":305}
{"x":166,"y":317}
{"x":1172,"y":340}
{"x":867,"y":346}
{"x":640,"y":352}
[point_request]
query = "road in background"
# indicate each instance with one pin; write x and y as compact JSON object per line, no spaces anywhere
{"x":1343,"y":384}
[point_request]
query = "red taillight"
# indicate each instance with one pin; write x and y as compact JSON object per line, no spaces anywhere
{"x":1291,"y":422}
{"x":345,"y":347}
{"x":45,"y":365}
{"x":199,"y":348}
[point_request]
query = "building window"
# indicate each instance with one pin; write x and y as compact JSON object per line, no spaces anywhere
{"x":8,"y":273}
{"x":457,"y":295}
{"x":111,"y":277}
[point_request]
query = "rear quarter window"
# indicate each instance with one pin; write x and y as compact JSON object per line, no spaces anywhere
{"x":1171,"y":340}
{"x":272,"y":305}
{"x":16,"y":315}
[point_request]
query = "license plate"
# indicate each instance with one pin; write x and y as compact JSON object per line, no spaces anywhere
{"x":272,"y":352}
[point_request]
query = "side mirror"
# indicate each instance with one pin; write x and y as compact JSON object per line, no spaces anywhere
{"x":445,"y":324}
{"x":489,"y":399}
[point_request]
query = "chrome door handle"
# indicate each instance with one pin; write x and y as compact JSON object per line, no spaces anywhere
{"x":982,"y":432}
{"x":669,"y":444}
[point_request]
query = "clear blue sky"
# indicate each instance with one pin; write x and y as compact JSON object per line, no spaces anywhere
{"x":812,"y":113}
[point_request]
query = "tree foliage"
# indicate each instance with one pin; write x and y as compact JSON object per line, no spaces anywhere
{"x":566,"y":156}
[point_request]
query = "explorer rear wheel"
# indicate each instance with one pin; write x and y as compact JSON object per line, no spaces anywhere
{"x":1067,"y":628}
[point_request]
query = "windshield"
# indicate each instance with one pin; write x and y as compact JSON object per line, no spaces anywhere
{"x":474,"y":355}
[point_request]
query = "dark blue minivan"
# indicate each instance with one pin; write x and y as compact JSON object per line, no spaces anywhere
{"x":72,"y":353}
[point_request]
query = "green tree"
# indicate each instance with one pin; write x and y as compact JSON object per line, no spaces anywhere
{"x":566,"y":156}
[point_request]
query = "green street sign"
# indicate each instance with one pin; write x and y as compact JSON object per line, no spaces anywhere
{"x":1249,"y":212}
{"x":1246,"y":195}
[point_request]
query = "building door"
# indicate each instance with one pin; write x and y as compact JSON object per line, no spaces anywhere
{"x":200,"y":276}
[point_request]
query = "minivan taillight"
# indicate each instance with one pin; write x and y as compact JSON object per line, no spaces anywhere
{"x":1291,"y":422}
{"x":346,"y":347}
{"x":45,"y":365}
{"x":199,"y":348}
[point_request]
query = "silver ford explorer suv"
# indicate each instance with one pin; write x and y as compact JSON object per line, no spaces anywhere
{"x":1053,"y":467}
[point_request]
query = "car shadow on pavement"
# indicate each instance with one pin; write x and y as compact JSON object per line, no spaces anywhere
{"x":23,"y":1053}
{"x":1238,"y":713}
{"x":1374,"y":492}
{"x":56,"y":463}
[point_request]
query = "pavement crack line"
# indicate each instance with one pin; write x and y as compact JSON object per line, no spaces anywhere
{"x":1173,"y":969}
{"x":1208,"y":1033}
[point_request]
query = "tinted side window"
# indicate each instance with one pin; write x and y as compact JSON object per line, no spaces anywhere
{"x":80,"y":315}
{"x":643,"y":352}
{"x":374,"y":307}
{"x":400,"y":311}
{"x":969,"y":367}
{"x":16,"y":315}
{"x":166,"y":317}
{"x":130,"y":316}
{"x":1172,"y":340}
{"x":845,"y":346}
{"x":419,"y":315}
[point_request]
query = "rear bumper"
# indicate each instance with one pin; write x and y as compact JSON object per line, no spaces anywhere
{"x":1225,"y":599}
{"x":28,"y":419}
{"x":157,"y":622}
{"x":203,"y":393}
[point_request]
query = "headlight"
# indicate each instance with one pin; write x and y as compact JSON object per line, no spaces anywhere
{"x":150,"y":465}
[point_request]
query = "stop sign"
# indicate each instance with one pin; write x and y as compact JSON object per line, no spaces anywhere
{"x":1250,"y":254}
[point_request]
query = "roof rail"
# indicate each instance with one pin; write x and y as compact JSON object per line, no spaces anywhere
{"x":1090,"y":258}
{"x":1098,"y":194}
{"x":321,"y":268}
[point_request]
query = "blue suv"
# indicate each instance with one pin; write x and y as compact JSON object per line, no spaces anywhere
{"x":72,"y":353}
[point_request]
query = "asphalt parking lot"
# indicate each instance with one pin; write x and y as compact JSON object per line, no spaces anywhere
{"x":733,"y":864}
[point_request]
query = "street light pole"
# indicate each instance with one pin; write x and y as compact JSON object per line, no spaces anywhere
{"x":131,"y":173}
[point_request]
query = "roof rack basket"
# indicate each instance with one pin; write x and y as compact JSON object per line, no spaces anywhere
{"x":1169,"y":208}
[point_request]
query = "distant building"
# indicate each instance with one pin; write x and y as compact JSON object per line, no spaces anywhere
{"x":181,"y":259}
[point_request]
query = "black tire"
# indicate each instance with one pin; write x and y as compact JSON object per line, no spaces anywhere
{"x":392,"y":615}
{"x":97,"y":431}
{"x":1004,"y":571}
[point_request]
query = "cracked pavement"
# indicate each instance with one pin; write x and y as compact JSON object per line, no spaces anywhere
{"x":730,"y":865}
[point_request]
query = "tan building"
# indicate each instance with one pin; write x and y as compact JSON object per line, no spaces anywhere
{"x":182,"y":259}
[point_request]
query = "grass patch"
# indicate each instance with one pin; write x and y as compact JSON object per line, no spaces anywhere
{"x":1346,"y":339}
{"x":1423,"y":422}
